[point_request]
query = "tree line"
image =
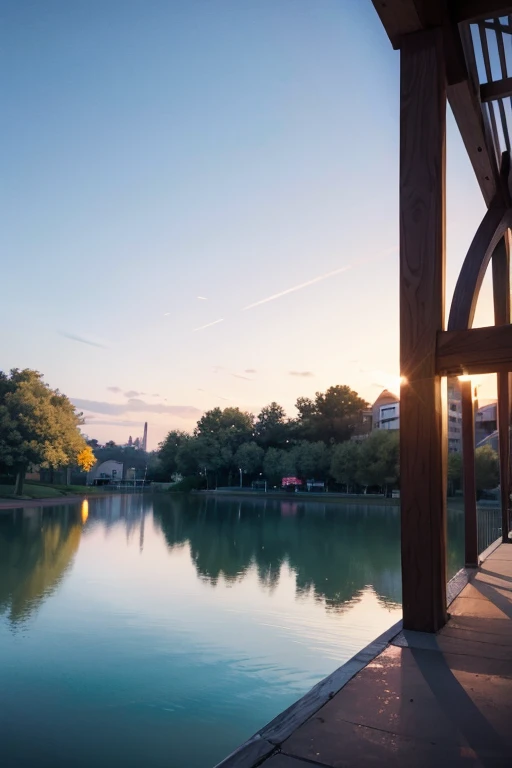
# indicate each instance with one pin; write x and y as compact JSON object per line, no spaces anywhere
{"x":38,"y":426}
{"x":314,"y":445}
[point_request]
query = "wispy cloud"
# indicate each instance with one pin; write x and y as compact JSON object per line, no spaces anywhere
{"x":114,"y":389}
{"x":113,"y":422}
{"x":208,"y":325}
{"x":82,"y":339}
{"x":239,"y":376}
{"x":299,"y":287}
{"x":250,"y":370}
{"x":133,"y":393}
{"x":155,"y":394}
{"x":136,"y":406}
{"x":304,"y":374}
{"x":202,"y":298}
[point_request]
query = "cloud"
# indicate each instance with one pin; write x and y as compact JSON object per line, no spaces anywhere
{"x":81,"y":339}
{"x":114,"y":389}
{"x":202,"y":298}
{"x":250,"y":370}
{"x":136,"y":406}
{"x":208,"y":325}
{"x":113,"y":422}
{"x":133,"y":393}
{"x":304,"y":374}
{"x":239,"y":376}
{"x":299,"y":287}
{"x":155,"y":394}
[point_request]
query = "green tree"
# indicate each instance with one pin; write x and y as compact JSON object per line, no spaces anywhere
{"x":271,"y":428}
{"x":39,"y":426}
{"x":249,"y":458}
{"x":379,"y":459}
{"x":332,"y":416}
{"x":278,"y":464}
{"x":168,"y":452}
{"x":487,"y":468}
{"x":454,"y":471}
{"x":345,"y":463}
{"x":312,"y":460}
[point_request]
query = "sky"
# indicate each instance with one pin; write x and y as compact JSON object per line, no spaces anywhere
{"x":199,"y":205}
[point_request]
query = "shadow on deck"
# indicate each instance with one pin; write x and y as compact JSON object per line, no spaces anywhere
{"x":411,"y":698}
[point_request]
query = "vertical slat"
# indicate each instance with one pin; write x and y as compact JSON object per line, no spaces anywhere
{"x":501,"y":293}
{"x":469,"y":478}
{"x":422,"y":270}
{"x":504,"y":73}
{"x":488,"y":74}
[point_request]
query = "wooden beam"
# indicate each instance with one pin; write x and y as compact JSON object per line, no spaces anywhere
{"x":501,"y":293}
{"x":422,"y":267}
{"x":478,"y":350}
{"x":497,"y":89}
{"x":469,"y":477}
{"x":475,"y":10}
{"x":491,"y":230}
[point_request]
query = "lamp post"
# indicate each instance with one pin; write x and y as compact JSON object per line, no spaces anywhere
{"x":241,"y":475}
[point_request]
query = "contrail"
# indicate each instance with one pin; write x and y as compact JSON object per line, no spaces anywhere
{"x":208,"y":325}
{"x":299,"y":287}
{"x":320,"y":278}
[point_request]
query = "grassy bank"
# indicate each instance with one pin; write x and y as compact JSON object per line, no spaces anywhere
{"x":33,"y":490}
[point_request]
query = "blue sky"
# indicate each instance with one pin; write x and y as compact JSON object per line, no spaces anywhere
{"x":155,"y":151}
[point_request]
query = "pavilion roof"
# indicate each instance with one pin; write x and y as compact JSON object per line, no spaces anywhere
{"x":478,"y":55}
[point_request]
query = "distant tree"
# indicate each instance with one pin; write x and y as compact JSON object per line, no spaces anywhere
{"x":345,"y":463}
{"x":93,"y":443}
{"x":379,"y":459}
{"x":110,"y":444}
{"x":312,"y":460}
{"x":277,"y":464}
{"x":249,"y":458}
{"x":130,"y":441}
{"x":487,"y":468}
{"x":168,"y":451}
{"x":271,"y":428}
{"x":454,"y":471}
{"x":86,"y":459}
{"x":332,"y":416}
{"x":39,"y":426}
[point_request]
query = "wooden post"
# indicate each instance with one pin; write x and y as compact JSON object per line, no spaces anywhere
{"x":501,"y":293}
{"x":422,"y":269}
{"x":469,"y":478}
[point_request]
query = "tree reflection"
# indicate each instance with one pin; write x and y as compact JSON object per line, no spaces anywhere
{"x":36,"y":550}
{"x":335,"y":551}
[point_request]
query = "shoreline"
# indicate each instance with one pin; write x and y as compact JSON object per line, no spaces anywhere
{"x":12,"y":504}
{"x":319,"y":498}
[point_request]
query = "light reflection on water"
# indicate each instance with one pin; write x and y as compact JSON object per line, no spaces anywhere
{"x":164,"y":631}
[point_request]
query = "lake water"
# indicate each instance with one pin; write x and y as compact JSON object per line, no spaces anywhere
{"x":161,"y":631}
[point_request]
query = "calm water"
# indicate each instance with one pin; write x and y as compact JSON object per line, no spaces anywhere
{"x":163,"y":632}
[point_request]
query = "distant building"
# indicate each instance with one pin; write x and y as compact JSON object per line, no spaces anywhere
{"x":386,"y":411}
{"x":105,"y":472}
{"x":486,"y":422}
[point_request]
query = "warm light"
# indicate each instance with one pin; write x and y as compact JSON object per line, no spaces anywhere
{"x":85,"y":511}
{"x":464,"y":378}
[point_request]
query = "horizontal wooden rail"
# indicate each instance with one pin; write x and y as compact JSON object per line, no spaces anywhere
{"x":497,"y":89}
{"x":478,"y":350}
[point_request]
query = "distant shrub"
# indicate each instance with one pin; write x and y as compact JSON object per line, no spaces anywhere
{"x":188,"y":484}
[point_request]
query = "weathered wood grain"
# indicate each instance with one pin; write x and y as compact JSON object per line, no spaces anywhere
{"x":477,"y":350}
{"x":422,"y":274}
{"x":491,"y":230}
{"x":501,"y":295}
{"x":469,"y":477}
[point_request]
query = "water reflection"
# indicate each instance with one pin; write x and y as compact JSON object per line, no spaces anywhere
{"x":335,"y":552}
{"x":37,"y":549}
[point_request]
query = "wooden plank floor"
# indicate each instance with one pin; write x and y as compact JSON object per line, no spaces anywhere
{"x":426,"y":700}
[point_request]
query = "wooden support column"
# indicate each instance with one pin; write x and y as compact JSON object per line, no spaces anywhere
{"x":469,"y":478}
{"x":422,"y":267}
{"x":501,"y":292}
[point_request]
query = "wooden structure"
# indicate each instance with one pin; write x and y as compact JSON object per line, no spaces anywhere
{"x":460,"y":51}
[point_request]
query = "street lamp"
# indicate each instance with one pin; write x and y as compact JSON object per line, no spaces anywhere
{"x":261,"y":475}
{"x":241,"y":475}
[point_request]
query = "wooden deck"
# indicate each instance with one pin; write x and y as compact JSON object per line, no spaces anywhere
{"x":425,"y":700}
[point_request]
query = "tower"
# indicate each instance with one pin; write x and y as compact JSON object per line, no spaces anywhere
{"x":145,"y":437}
